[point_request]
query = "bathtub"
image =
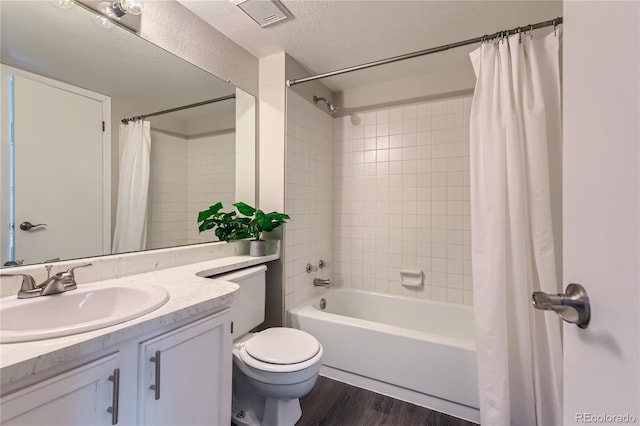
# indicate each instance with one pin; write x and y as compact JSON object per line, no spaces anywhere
{"x":420,"y":351}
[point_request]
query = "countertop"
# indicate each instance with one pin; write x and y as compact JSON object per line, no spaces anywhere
{"x":191,"y":294}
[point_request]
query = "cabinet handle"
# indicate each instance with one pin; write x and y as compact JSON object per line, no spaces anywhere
{"x":115,"y":378}
{"x":156,"y":387}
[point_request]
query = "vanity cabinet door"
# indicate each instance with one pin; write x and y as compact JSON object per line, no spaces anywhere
{"x":185,"y":374}
{"x":82,"y":396}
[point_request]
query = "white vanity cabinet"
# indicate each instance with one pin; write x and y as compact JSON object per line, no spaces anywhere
{"x":191,"y":381}
{"x":185,"y":377}
{"x":81,"y":396}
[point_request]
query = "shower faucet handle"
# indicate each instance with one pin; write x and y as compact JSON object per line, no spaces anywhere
{"x":322,"y":264}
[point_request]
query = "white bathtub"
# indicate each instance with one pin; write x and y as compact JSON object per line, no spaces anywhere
{"x":419,"y":351}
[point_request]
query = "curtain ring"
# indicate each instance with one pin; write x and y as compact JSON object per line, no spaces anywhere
{"x":555,"y":27}
{"x":519,"y":35}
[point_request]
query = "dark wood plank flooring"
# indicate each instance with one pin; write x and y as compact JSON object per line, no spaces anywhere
{"x":333,"y":403}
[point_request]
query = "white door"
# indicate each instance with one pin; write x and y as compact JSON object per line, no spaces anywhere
{"x":82,"y":396}
{"x":58,"y":157}
{"x":185,"y":375}
{"x":601,"y":172}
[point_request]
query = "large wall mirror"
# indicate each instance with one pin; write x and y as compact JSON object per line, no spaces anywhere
{"x":67,"y":161}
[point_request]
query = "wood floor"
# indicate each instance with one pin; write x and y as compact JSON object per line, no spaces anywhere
{"x":333,"y":403}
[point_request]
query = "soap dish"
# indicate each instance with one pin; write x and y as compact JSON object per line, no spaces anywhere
{"x":411,"y":277}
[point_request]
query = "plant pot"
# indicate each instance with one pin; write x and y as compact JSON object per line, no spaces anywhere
{"x":257,"y":248}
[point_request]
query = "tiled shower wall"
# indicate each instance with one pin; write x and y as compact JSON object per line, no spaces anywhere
{"x":401,"y":199}
{"x":168,"y":188}
{"x":187,"y":176}
{"x":308,"y":197}
{"x":211,"y":173}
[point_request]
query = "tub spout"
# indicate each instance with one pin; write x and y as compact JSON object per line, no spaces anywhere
{"x":319,"y":282}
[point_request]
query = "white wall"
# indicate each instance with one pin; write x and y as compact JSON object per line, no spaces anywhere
{"x":246,"y":148}
{"x":271,"y":133}
{"x":456,"y":79}
{"x":309,"y":191}
{"x":176,"y":29}
{"x":401,"y":199}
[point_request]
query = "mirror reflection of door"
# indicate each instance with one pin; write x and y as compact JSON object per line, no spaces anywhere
{"x":58,"y":169}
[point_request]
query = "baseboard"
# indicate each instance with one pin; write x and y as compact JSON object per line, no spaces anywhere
{"x":431,"y":402}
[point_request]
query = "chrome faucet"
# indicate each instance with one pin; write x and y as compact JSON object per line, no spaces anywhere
{"x":58,"y":283}
{"x":320,"y":282}
{"x":28,"y":288}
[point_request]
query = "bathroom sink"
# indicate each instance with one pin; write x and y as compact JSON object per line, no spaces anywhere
{"x":90,"y":307}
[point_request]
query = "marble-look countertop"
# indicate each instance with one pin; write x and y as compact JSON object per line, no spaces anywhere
{"x":191,"y":294}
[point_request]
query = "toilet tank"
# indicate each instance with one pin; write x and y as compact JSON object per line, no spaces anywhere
{"x":248,"y":306}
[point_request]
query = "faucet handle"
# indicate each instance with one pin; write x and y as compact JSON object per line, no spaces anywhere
{"x":69,"y":278}
{"x":71,"y":270}
{"x":28,"y":283}
{"x":28,"y":288}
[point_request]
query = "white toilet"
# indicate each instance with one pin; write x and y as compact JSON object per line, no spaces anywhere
{"x":273,"y":368}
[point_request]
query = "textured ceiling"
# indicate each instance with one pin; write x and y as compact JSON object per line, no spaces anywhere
{"x":325,"y":35}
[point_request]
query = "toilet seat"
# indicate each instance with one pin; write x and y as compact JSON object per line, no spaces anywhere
{"x":280,"y":349}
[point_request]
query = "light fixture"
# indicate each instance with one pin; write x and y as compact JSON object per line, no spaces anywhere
{"x":119,"y":8}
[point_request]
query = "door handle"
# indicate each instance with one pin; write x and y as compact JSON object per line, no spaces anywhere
{"x":572,"y":306}
{"x":114,"y":409}
{"x":28,"y":226}
{"x":156,"y":386}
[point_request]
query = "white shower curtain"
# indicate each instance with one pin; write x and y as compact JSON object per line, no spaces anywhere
{"x":516,"y":152}
{"x":131,"y":215}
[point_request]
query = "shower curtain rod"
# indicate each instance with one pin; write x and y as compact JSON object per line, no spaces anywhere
{"x":553,"y":22}
{"x":166,"y":111}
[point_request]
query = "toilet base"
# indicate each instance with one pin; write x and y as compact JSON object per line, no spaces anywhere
{"x":277,"y":412}
{"x":241,"y":417}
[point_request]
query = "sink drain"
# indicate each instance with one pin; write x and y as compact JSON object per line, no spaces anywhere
{"x":323,"y":303}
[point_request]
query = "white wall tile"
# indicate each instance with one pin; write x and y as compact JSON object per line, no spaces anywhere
{"x":373,"y":194}
{"x":417,"y":206}
{"x":311,"y":164}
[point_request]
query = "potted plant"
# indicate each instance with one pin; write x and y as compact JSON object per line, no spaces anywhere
{"x":231,"y":226}
{"x":228,"y":226}
{"x":259,"y":222}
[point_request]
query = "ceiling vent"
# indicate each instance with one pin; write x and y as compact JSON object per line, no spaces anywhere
{"x":265,"y":12}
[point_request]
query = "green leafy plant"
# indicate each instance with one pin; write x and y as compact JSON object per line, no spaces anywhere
{"x":260,"y":221}
{"x":228,"y":226}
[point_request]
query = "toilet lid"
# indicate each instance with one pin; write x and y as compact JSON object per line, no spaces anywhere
{"x":280,"y":345}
